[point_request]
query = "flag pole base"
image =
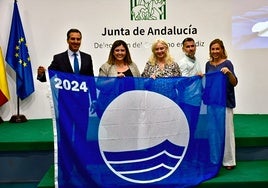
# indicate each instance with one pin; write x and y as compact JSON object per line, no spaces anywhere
{"x":18,"y":119}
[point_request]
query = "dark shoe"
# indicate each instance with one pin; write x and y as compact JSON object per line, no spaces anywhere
{"x":229,"y":167}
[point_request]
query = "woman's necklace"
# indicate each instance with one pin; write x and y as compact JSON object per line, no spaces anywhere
{"x":161,"y":65}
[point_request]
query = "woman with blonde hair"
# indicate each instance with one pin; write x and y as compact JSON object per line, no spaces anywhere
{"x":161,"y":63}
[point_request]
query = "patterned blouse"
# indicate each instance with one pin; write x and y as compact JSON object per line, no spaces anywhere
{"x":165,"y":86}
{"x":170,"y":70}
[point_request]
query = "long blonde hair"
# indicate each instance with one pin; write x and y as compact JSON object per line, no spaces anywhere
{"x":153,"y":59}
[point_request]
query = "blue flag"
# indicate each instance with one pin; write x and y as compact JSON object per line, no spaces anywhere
{"x":18,"y":57}
{"x":143,"y":133}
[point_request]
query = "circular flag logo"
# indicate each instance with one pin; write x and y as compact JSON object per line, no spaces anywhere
{"x":143,"y":136}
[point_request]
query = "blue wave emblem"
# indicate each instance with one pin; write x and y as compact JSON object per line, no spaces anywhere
{"x":147,"y":164}
{"x":143,"y":140}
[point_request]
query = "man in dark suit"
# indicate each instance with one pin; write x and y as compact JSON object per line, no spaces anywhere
{"x":75,"y":124}
{"x":62,"y":62}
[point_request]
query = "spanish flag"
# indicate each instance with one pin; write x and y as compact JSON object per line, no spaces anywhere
{"x":4,"y":92}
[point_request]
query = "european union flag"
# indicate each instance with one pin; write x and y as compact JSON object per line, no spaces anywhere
{"x":18,"y":57}
{"x":164,"y":132}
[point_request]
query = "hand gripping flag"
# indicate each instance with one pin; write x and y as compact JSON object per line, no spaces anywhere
{"x":18,"y":58}
{"x":167,"y":132}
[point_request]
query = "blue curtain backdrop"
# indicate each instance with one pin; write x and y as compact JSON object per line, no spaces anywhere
{"x":167,"y":132}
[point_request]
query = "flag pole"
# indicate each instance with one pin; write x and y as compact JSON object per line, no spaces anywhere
{"x":18,"y":58}
{"x":19,"y":118}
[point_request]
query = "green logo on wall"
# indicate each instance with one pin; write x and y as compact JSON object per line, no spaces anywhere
{"x":148,"y":9}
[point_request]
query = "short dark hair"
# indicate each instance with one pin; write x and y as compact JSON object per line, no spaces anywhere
{"x":188,"y":39}
{"x":73,"y":31}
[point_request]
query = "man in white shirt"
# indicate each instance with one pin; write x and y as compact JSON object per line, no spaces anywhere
{"x":189,"y":66}
{"x":190,"y":97}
